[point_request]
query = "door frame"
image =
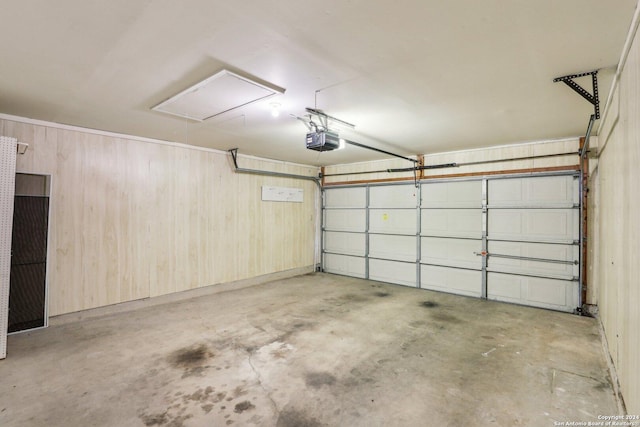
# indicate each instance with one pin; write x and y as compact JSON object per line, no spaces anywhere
{"x":49,"y":189}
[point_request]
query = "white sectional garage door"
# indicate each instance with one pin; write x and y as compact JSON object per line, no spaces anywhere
{"x":512,"y":239}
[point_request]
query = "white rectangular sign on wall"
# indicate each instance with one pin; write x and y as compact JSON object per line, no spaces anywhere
{"x":282,"y":194}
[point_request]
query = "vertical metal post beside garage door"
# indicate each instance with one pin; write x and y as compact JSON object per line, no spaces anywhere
{"x":366,"y":234}
{"x":483,"y":253}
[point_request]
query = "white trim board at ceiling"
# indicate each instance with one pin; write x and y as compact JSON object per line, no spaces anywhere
{"x":74,"y":128}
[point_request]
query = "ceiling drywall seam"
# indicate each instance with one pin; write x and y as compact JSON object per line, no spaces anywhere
{"x":633,"y":29}
{"x":73,"y":128}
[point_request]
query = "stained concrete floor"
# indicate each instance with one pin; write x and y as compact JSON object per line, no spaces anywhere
{"x":314,"y":350}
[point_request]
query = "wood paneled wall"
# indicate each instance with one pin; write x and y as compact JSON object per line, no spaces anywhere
{"x":616,"y":182}
{"x":494,"y":156}
{"x":378,"y":165}
{"x":132,"y":219}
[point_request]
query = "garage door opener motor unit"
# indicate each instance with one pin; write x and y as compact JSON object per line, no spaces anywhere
{"x":323,"y":140}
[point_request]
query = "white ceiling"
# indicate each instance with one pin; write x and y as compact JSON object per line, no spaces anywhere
{"x":414,"y":76}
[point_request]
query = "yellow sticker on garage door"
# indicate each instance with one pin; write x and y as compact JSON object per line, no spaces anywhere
{"x":385,"y":216}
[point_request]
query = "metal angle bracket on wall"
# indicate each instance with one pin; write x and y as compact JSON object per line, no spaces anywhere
{"x":22,"y":147}
{"x":238,"y":169}
{"x":592,"y":98}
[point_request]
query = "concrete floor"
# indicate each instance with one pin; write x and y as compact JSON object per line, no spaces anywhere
{"x":314,"y":350}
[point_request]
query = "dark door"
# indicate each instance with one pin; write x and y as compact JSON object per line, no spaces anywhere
{"x":27,"y":294}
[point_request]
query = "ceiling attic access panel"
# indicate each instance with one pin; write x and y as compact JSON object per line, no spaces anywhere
{"x":218,"y":94}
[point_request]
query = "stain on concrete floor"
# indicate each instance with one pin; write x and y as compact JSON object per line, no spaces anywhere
{"x":429,"y":304}
{"x":294,"y":418}
{"x":319,"y":379}
{"x":190,"y":357}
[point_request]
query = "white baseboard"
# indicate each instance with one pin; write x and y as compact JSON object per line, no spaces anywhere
{"x":178,"y":296}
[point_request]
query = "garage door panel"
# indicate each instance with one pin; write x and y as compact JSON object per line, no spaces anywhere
{"x":547,"y":191}
{"x":401,"y":273}
{"x":451,"y":252}
{"x":345,"y":265}
{"x":355,"y":197}
{"x":504,"y":288}
{"x":458,"y":194}
{"x":541,"y":225}
{"x":451,"y":223}
{"x":451,"y":280}
{"x":537,"y":292}
{"x":393,"y":221}
{"x":564,"y":253}
{"x":345,"y":243}
{"x":345,"y":220}
{"x":393,"y":196}
{"x":400,"y":248}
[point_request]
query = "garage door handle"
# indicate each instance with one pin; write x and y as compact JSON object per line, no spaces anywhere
{"x":526,"y":258}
